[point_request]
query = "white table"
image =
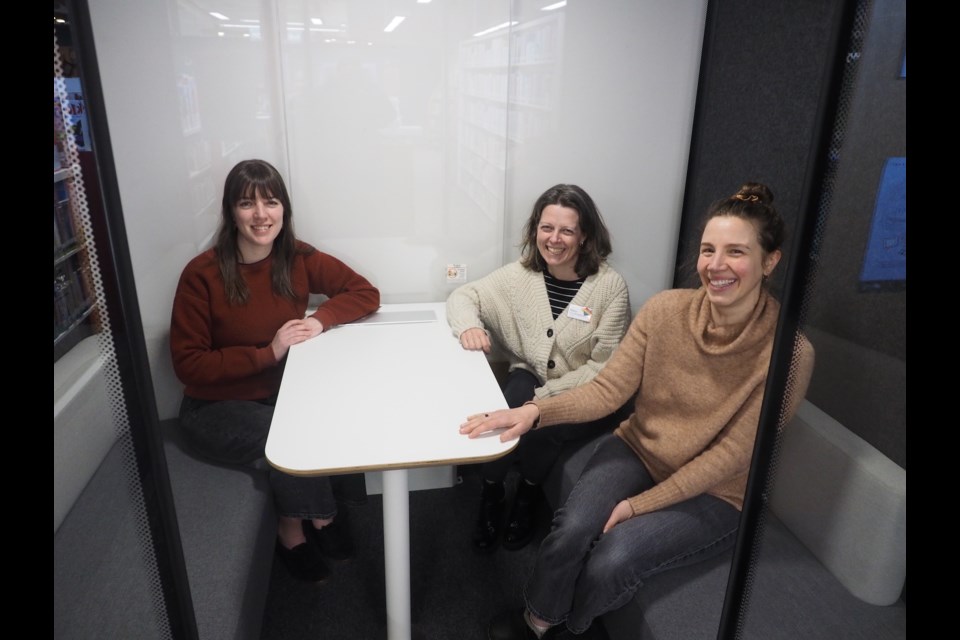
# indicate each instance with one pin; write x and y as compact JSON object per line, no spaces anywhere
{"x":388,"y":393}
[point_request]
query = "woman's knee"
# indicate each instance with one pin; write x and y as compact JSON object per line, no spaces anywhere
{"x":230,"y":432}
{"x":616,"y":560}
{"x":572,"y":529}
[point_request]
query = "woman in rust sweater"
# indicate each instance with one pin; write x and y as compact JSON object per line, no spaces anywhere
{"x":238,"y":308}
{"x":666,"y":488}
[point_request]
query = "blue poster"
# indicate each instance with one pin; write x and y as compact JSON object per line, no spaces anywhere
{"x":885,"y":261}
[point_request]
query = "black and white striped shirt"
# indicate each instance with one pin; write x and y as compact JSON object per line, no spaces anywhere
{"x":560,"y":292}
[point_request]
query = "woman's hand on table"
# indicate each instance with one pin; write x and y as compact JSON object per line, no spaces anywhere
{"x":622,"y":512}
{"x":516,"y":422}
{"x":294,"y":332}
{"x":475,"y":339}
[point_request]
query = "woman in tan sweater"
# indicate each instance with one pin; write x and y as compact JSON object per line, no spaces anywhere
{"x":666,"y":488}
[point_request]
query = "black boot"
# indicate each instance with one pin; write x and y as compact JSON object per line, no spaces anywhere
{"x":335,"y":540}
{"x":522,"y":521}
{"x":490,"y":518}
{"x":303,"y":561}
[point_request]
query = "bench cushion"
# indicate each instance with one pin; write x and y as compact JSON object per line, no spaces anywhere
{"x":792,"y":596}
{"x":846,"y":502}
{"x":227,"y":528}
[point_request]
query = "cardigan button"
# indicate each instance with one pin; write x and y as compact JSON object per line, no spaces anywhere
{"x":551,"y":364}
{"x":549,"y":333}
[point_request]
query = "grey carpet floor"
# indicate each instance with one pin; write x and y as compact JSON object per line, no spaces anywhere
{"x":454,"y":590}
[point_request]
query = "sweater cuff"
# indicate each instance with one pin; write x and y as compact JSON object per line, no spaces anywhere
{"x":662,"y":497}
{"x":325,"y":318}
{"x":536,"y":423}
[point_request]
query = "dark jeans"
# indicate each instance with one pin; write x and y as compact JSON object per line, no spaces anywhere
{"x":234,"y":432}
{"x":581,"y":573}
{"x":538,"y":449}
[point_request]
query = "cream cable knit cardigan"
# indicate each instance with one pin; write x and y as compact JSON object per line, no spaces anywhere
{"x":511,"y":305}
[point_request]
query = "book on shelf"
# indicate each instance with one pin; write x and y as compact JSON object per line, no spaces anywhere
{"x":71,"y":301}
{"x":64,"y":231}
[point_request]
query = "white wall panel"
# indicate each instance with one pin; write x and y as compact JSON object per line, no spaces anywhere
{"x":375,"y":130}
{"x":405,"y":150}
{"x":187,"y":97}
{"x":620,"y":120}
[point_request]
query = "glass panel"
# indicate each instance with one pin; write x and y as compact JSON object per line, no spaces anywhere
{"x":106,"y":577}
{"x":188,"y":96}
{"x":397,"y":135}
{"x":830,"y":558}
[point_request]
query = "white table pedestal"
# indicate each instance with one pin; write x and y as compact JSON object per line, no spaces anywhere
{"x":396,"y":552}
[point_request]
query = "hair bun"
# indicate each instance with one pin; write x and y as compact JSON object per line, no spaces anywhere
{"x":754,"y":192}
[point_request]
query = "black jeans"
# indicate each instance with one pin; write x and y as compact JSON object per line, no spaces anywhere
{"x":234,"y":432}
{"x":538,"y":449}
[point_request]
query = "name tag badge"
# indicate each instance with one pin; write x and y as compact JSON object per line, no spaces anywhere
{"x":579,"y":313}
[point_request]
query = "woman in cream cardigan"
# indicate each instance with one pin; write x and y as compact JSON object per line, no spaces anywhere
{"x":556,"y":315}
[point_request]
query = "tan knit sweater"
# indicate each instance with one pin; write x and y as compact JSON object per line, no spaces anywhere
{"x":700,"y":391}
{"x":511,"y":305}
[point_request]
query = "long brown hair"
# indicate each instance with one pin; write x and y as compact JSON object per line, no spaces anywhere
{"x":247,"y":180}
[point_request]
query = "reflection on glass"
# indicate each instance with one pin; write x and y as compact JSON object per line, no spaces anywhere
{"x":831,"y":558}
{"x":509,"y":76}
{"x":225,"y":109}
{"x":102,"y":544}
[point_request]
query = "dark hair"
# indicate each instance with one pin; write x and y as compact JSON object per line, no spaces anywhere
{"x":248,"y":179}
{"x":596,"y":242}
{"x":753,"y":203}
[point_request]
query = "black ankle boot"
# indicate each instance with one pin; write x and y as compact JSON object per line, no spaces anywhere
{"x":334,"y":541}
{"x":522,"y":521}
{"x":304,"y":562}
{"x":490,"y":518}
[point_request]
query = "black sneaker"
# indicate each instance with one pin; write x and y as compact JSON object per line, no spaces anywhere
{"x":304,"y":562}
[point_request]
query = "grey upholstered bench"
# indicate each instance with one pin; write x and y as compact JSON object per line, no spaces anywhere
{"x":227,"y":528}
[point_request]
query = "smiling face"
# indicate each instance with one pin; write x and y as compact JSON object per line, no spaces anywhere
{"x":558,"y":240}
{"x":259,"y":220}
{"x":731,"y":267}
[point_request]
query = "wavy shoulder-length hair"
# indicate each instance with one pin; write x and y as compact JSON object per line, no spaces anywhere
{"x":596,"y":239}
